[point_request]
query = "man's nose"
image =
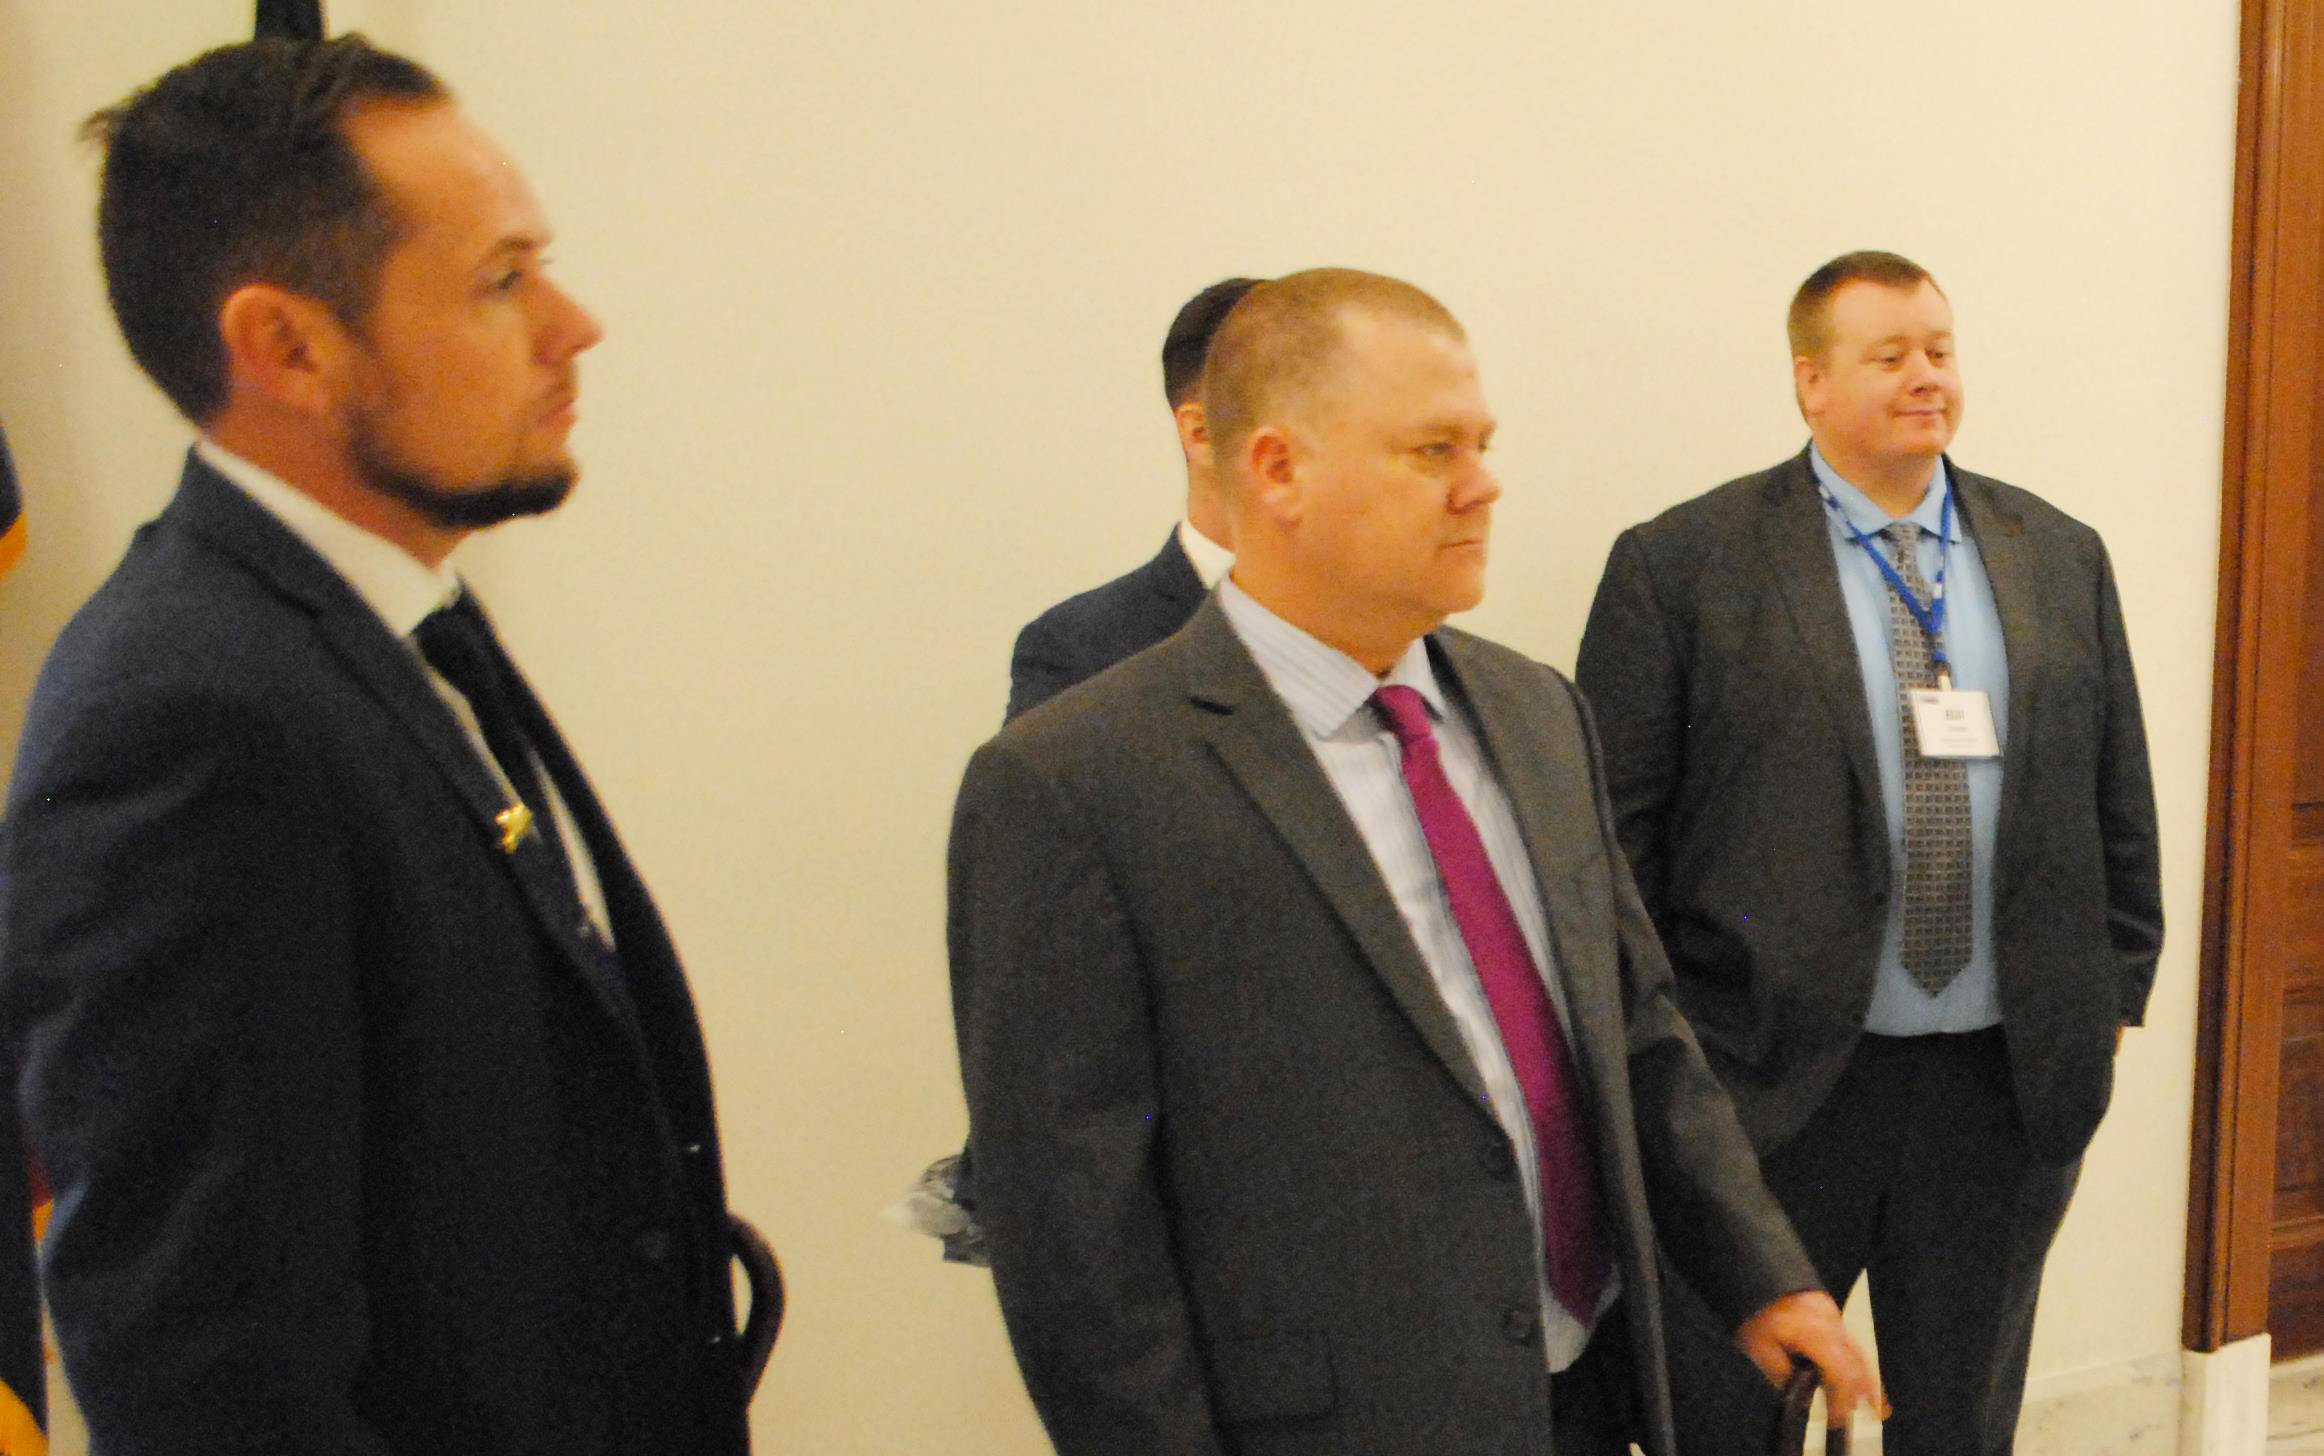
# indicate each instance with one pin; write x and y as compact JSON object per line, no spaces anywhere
{"x":1481,"y":487}
{"x":569,"y":328}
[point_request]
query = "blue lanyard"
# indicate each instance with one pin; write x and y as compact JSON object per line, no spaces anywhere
{"x":1932,"y":616}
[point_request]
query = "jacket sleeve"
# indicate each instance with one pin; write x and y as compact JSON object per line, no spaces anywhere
{"x":2126,"y":814}
{"x":1056,"y":1050}
{"x":181,"y":994}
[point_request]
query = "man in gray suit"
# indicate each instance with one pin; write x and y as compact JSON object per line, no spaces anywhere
{"x":1327,"y":1089}
{"x":1876,"y":759}
{"x":1085,"y":634}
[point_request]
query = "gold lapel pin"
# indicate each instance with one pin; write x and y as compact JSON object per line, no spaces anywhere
{"x":515,"y":821}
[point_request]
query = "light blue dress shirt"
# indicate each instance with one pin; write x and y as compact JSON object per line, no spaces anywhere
{"x":1980,"y":663}
{"x":1326,"y":692}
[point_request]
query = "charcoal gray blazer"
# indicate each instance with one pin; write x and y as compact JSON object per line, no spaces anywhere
{"x":1720,"y":663}
{"x":1244,"y":1187}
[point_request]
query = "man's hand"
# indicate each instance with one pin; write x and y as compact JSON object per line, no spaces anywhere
{"x":1807,"y":1325}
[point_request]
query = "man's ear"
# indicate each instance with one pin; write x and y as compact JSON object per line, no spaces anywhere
{"x":284,"y":347}
{"x":1193,"y":429}
{"x":1807,"y":382}
{"x":1271,"y":461}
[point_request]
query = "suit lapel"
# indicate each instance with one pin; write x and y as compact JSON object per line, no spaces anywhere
{"x":1254,"y":736}
{"x":2016,"y":579}
{"x":230,"y":521}
{"x":1528,"y":765}
{"x":1796,"y":544}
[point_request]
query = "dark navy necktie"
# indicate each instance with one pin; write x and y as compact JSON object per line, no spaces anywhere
{"x":459,"y":643}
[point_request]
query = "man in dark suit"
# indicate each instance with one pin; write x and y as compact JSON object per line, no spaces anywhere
{"x":1876,"y":760}
{"x":1086,"y":634}
{"x":1326,"y":1087}
{"x":365,"y":1073}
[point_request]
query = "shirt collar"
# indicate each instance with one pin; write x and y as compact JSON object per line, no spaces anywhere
{"x":1322,"y":686}
{"x":1870,"y":518}
{"x":394,"y":583}
{"x":1210,"y":560}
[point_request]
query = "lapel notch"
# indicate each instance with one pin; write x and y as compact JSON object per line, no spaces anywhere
{"x":1255,"y":738}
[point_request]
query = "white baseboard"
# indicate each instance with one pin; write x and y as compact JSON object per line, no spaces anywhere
{"x":2223,"y":1410}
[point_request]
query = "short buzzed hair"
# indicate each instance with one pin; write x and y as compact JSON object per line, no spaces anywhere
{"x":1810,"y":320}
{"x":1285,"y":337}
{"x":1187,"y":345}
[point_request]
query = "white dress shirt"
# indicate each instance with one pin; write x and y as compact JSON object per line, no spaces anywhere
{"x":1210,"y":560}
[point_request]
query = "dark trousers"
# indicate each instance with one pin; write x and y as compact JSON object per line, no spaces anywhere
{"x":1916,"y":1175}
{"x":1593,"y":1403}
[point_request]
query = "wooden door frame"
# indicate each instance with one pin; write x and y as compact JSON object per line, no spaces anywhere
{"x":2276,"y":292}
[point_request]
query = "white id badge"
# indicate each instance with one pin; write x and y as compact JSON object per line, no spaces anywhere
{"x":1954,"y":724}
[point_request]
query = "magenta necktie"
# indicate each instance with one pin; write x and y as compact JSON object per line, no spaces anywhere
{"x":1521,"y":1006}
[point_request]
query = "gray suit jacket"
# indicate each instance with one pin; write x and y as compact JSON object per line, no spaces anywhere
{"x":1244,"y":1188}
{"x":1739,"y":754}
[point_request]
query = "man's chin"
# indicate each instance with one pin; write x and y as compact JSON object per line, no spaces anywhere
{"x":472,"y":508}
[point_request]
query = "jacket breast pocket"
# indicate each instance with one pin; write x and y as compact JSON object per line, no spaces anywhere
{"x":1272,"y":1377}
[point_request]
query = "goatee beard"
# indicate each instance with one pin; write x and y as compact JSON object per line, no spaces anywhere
{"x":454,"y":509}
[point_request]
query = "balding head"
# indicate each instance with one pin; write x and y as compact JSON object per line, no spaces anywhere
{"x":1352,"y":451}
{"x":1281,"y":347}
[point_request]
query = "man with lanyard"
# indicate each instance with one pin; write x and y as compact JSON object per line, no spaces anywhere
{"x":1876,"y":758}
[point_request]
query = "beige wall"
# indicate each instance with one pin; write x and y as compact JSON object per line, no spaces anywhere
{"x":884,"y":283}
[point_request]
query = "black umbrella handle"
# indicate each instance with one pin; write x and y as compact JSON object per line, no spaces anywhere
{"x":1791,"y":1427}
{"x":765,"y":1320}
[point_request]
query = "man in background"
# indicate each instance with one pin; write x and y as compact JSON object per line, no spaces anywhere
{"x":363,"y":1068}
{"x":1876,"y":759}
{"x":1086,"y":634}
{"x":1326,"y":1088}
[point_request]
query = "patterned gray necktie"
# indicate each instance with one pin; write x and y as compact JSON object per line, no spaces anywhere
{"x":1938,"y":856}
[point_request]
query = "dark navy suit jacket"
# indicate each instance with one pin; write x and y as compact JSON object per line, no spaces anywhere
{"x":1084,"y":635}
{"x":358,"y":1146}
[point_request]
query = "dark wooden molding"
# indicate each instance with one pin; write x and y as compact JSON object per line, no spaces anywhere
{"x":2274,"y":326}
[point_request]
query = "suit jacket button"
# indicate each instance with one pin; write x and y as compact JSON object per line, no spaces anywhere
{"x":1495,"y":1158}
{"x":1521,"y":1325}
{"x":653,"y":1245}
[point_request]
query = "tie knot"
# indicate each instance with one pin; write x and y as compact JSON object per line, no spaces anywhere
{"x":1903,"y":536}
{"x":1405,"y":712}
{"x":457,"y":644}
